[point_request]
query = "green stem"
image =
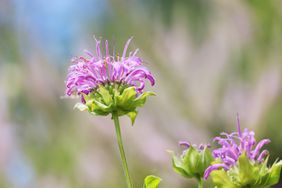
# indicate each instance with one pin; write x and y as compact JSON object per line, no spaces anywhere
{"x":121,"y":150}
{"x":200,"y":183}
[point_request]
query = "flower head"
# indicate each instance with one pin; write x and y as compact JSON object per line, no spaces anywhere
{"x":109,"y":84}
{"x":239,"y":162}
{"x":87,"y":73}
{"x":234,"y":145}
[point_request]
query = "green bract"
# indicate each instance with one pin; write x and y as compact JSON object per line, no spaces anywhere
{"x":114,"y":98}
{"x":247,"y":174}
{"x":151,"y":181}
{"x":193,"y":162}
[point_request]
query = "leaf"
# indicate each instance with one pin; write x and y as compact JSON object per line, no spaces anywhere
{"x":151,"y":181}
{"x":132,"y":115}
{"x":80,"y":106}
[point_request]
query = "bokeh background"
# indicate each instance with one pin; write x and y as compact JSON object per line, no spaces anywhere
{"x":211,"y":59}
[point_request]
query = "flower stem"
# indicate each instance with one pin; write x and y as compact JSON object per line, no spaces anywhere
{"x":121,"y":150}
{"x":200,"y":183}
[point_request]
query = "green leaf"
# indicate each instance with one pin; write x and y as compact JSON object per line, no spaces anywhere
{"x":132,"y":115}
{"x":107,"y":97}
{"x":81,"y":106}
{"x":151,"y":181}
{"x":274,"y":175}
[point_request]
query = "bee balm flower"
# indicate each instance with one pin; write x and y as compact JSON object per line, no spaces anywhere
{"x":240,"y":162}
{"x":108,"y":83}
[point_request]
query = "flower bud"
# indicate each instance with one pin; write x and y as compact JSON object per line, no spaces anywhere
{"x":193,"y":161}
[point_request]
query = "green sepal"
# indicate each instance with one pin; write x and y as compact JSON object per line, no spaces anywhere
{"x":100,"y":106}
{"x":179,"y":168}
{"x":247,"y":172}
{"x":87,"y":97}
{"x":221,"y":179}
{"x":125,"y":100}
{"x":114,"y":98}
{"x":151,"y":181}
{"x":274,"y":173}
{"x":140,"y":100}
{"x":132,"y":115}
{"x":206,"y":159}
{"x":105,"y":94}
{"x":263,"y":173}
{"x":191,"y":160}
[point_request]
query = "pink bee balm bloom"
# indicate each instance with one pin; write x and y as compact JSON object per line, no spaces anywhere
{"x":234,"y":145}
{"x":87,"y":74}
